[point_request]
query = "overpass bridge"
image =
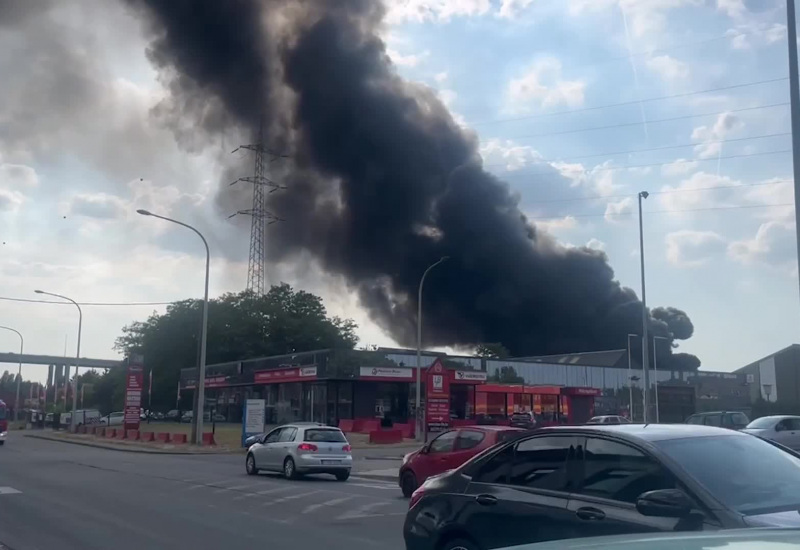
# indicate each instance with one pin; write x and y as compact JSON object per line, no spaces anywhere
{"x":85,"y":362}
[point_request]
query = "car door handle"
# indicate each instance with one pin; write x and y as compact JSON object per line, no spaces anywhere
{"x":486,"y":500}
{"x":590,"y":514}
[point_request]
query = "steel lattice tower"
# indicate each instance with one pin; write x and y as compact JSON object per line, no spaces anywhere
{"x":261,"y":217}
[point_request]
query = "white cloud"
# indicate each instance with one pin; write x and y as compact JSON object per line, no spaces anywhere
{"x":10,"y":201}
{"x":440,"y":77}
{"x":447,"y":97}
{"x":510,"y":8}
{"x":679,"y":168}
{"x":732,"y":8}
{"x":645,"y":16}
{"x":551,"y":226}
{"x":617,"y":212}
{"x":596,"y":244}
{"x":543,"y":86}
{"x":688,"y":193}
{"x":17,"y":176}
{"x":400,"y":11}
{"x":508,"y":153}
{"x":99,"y":206}
{"x":756,"y":33}
{"x":725,"y":124}
{"x":773,"y":244}
{"x":668,"y":68}
{"x":693,"y":248}
{"x":410,"y":60}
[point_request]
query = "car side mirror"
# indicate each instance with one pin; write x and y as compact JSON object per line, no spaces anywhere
{"x":425,"y":449}
{"x":664,"y":503}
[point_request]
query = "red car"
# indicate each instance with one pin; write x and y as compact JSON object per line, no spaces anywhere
{"x":449,"y":450}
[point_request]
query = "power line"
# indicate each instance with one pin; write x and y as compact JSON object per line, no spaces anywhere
{"x":664,"y":148}
{"x":737,"y":207}
{"x":679,"y":161}
{"x":627,"y":124}
{"x":633,"y":102}
{"x":668,"y":191}
{"x":116,"y":304}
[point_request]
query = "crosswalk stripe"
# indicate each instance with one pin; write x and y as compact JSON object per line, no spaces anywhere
{"x":264,"y":492}
{"x":290,"y":497}
{"x":9,"y":491}
{"x":361,"y":511}
{"x":234,"y":488}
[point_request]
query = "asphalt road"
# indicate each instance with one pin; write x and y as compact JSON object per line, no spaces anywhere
{"x":58,"y":495}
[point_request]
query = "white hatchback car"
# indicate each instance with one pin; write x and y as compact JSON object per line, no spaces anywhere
{"x":297,"y":449}
{"x":781,"y":429}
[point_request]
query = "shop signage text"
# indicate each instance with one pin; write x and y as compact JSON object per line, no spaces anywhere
{"x":469,"y":376}
{"x":386,"y":372}
{"x":437,"y":397}
{"x":297,"y":374}
{"x":133,"y":392}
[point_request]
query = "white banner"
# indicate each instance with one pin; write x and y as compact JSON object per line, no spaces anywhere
{"x":385,"y":372}
{"x":254,"y":416}
{"x":308,"y":371}
{"x":470,"y":376}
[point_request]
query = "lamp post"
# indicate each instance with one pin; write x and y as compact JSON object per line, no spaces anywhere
{"x":630,"y":378}
{"x":73,"y":417}
{"x":19,"y":369}
{"x":197,"y":415}
{"x":645,"y":353}
{"x":421,"y":434}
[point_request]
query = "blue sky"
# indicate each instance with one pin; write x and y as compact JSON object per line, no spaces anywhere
{"x":80,"y":152}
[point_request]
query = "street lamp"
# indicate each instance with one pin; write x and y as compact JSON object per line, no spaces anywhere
{"x":197,"y":415}
{"x":73,"y":417}
{"x":421,"y":436}
{"x":19,"y":369}
{"x":645,"y":357}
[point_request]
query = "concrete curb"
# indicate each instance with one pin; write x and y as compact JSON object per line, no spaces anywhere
{"x":99,"y":445}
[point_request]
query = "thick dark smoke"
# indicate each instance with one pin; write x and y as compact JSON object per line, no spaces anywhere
{"x":383,"y":182}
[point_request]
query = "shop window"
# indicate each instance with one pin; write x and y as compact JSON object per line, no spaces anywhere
{"x":496,"y":404}
{"x":345,"y":400}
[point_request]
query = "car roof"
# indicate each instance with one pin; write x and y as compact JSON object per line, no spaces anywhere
{"x":490,"y":428}
{"x":646,"y":432}
{"x":777,"y":416}
{"x":715,"y":412}
{"x":307,"y":425}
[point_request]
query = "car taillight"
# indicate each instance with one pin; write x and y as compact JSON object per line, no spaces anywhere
{"x":306,"y":447}
{"x":347,"y":448}
{"x":416,"y":496}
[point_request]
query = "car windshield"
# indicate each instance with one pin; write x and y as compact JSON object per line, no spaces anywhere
{"x":757,"y":478}
{"x":325,"y":436}
{"x":762,"y":423}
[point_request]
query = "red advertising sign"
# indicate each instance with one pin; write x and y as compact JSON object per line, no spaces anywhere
{"x":437,"y":398}
{"x":296,"y":374}
{"x":133,"y":392}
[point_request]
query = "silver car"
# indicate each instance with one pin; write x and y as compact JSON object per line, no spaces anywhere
{"x":782,"y":429}
{"x":297,"y":449}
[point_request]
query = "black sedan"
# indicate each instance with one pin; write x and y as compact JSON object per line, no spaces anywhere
{"x":569,"y":482}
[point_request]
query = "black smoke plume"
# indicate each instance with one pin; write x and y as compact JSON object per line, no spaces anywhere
{"x":382,"y":182}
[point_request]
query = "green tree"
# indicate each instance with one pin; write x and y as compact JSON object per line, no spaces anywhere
{"x":506,"y":375}
{"x":240,"y":326}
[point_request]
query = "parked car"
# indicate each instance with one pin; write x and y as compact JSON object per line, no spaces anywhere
{"x":782,"y":429}
{"x":298,"y":449}
{"x":524,"y":420}
{"x":449,"y":450}
{"x":82,"y":416}
{"x":733,"y":420}
{"x":608,"y":419}
{"x":174,"y":414}
{"x":567,"y":482}
{"x":113,"y":419}
{"x":741,"y":539}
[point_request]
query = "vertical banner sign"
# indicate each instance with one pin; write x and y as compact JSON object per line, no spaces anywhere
{"x":254,"y":417}
{"x":437,"y":398}
{"x":133,"y":391}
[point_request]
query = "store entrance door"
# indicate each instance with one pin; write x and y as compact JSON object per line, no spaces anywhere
{"x":315,"y":402}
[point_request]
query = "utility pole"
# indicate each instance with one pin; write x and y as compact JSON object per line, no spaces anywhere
{"x":645,"y":352}
{"x":261,"y":217}
{"x":794,"y":94}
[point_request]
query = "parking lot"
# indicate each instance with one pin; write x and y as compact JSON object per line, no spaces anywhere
{"x":58,"y":495}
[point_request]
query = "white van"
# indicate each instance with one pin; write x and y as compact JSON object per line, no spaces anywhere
{"x":83,"y":416}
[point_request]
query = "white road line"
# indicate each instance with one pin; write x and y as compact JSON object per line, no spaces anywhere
{"x":213,"y":484}
{"x":264,"y":492}
{"x":234,"y":488}
{"x":333,"y":502}
{"x":362,"y":511}
{"x":9,"y":491}
{"x":388,"y":486}
{"x":290,"y":497}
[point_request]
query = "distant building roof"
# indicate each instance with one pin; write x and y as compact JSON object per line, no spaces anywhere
{"x":608,"y":358}
{"x":779,"y":352}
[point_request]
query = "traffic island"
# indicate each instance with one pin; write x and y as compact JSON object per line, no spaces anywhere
{"x":132,"y":446}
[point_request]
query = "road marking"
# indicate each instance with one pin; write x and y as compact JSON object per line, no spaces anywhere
{"x":373,"y":485}
{"x":265,"y":492}
{"x":290,"y":497}
{"x":234,"y":488}
{"x":333,"y":502}
{"x":9,"y":491}
{"x":213,"y":484}
{"x":361,"y":511}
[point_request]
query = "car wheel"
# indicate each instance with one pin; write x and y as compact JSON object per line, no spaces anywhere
{"x":408,"y":483}
{"x":458,"y":544}
{"x":250,"y":464}
{"x":289,"y":470}
{"x":342,"y":476}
